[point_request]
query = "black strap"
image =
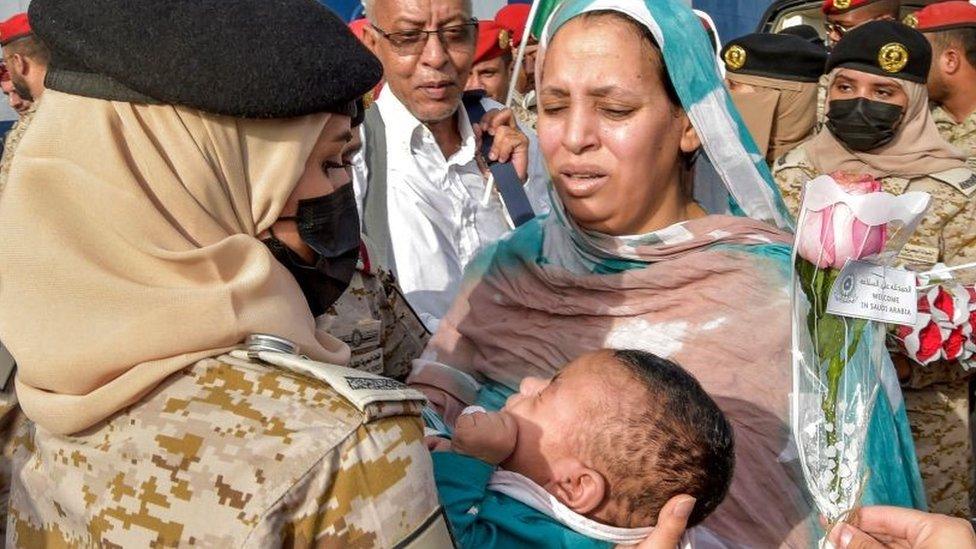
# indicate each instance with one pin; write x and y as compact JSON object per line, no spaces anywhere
{"x":506,"y":179}
{"x":376,"y":221}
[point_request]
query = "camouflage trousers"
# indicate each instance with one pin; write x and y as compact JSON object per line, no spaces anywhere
{"x":226,"y":453}
{"x":939,"y":418}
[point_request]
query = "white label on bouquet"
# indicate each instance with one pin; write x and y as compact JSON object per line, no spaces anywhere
{"x":875,"y":292}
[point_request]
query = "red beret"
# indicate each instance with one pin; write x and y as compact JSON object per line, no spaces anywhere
{"x":943,"y":16}
{"x":836,"y":7}
{"x":16,"y":27}
{"x":493,"y":41}
{"x":514,"y":17}
{"x":358,"y":27}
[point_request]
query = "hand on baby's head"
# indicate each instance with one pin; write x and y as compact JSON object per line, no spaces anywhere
{"x":488,"y":436}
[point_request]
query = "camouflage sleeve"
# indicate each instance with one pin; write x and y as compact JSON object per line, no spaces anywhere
{"x":377,"y":491}
{"x":791,"y":180}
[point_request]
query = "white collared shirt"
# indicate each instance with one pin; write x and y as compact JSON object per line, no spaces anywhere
{"x":438,"y":218}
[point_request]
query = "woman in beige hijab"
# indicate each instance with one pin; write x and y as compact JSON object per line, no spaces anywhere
{"x":773,"y":82}
{"x":157,"y":216}
{"x":879,"y":123}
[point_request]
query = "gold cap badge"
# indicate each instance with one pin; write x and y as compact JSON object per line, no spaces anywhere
{"x":842,"y":4}
{"x":504,"y":39}
{"x":893,"y":57}
{"x":735,"y":57}
{"x":911,"y":20}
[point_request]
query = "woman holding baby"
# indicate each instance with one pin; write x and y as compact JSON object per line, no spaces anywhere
{"x":629,"y":97}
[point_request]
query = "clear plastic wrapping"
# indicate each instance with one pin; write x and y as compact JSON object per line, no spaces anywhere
{"x":848,"y":234}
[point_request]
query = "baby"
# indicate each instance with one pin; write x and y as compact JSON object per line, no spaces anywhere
{"x":587,"y":458}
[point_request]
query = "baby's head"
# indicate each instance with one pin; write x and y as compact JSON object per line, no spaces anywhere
{"x":616,"y":434}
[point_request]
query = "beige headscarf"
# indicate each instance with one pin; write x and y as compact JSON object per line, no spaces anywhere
{"x":780,"y":114}
{"x":916,"y":150}
{"x":129,"y":250}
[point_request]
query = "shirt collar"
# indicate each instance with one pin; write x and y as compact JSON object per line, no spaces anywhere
{"x":942,"y":116}
{"x":408,"y":132}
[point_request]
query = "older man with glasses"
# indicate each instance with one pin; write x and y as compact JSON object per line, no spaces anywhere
{"x":841,"y":16}
{"x":421,"y":184}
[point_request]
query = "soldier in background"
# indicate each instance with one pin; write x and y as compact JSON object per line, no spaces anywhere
{"x":28,"y":58}
{"x":879,"y":123}
{"x":843,"y":16}
{"x":492,"y":68}
{"x":157,"y":296}
{"x":773,"y":81}
{"x":25,"y":55}
{"x":950,"y":28}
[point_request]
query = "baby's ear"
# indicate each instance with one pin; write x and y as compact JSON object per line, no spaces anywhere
{"x":578,"y":487}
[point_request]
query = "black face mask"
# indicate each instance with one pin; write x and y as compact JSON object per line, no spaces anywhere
{"x":329,"y":225}
{"x":863,"y":124}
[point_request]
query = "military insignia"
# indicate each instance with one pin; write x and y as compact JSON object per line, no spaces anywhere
{"x":842,"y":4}
{"x":735,"y":57}
{"x":911,"y":20}
{"x":504,"y":39}
{"x":893,"y":57}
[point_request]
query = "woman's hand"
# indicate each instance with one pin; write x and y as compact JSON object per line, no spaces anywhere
{"x":510,"y":145}
{"x":671,"y":524}
{"x":889,"y":527}
{"x":489,"y":436}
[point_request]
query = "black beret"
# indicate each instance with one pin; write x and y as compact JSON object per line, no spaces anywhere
{"x":806,"y":32}
{"x":241,"y":58}
{"x":781,"y":56}
{"x":885,"y":48}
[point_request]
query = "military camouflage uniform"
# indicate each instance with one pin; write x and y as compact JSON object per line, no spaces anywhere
{"x":241,"y":450}
{"x":962,"y":136}
{"x":377,"y":323}
{"x":10,"y":143}
{"x":935,"y":396}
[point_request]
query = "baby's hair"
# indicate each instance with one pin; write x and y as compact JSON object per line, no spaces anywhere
{"x":677,"y":442}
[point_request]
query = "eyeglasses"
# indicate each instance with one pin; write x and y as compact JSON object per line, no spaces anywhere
{"x":837,"y":28}
{"x":412,"y":42}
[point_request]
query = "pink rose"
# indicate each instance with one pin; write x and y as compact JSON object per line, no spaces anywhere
{"x":831,"y":236}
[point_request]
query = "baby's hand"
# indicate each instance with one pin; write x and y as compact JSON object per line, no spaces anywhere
{"x":437,"y":444}
{"x":489,"y":436}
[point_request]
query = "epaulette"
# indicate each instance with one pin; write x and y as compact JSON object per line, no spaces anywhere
{"x":367,"y":392}
{"x":962,"y":179}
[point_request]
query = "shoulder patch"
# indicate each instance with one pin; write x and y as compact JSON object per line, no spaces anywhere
{"x":962,"y":179}
{"x":367,"y":392}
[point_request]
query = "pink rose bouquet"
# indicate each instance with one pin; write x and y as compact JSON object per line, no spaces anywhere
{"x":826,"y":240}
{"x":837,"y":360}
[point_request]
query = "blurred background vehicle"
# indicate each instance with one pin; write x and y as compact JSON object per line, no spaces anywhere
{"x":790,"y":13}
